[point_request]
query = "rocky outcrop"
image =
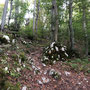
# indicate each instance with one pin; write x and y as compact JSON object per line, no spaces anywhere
{"x":54,"y":52}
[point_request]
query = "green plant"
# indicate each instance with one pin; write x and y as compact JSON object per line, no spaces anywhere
{"x":26,"y":32}
{"x":11,"y":86}
{"x":14,"y":73}
{"x":74,"y":66}
{"x":22,"y":56}
{"x":15,"y":56}
{"x":79,"y":65}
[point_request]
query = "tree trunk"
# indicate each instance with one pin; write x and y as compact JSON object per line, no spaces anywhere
{"x":16,"y":16}
{"x":70,"y":26}
{"x":34,"y":17}
{"x":54,"y":22}
{"x":4,"y":14}
{"x":56,"y":18}
{"x":85,"y":31}
{"x":10,"y":12}
{"x":37,"y":15}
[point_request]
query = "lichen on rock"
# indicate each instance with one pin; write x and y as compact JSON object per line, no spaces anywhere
{"x":4,"y":39}
{"x":54,"y":52}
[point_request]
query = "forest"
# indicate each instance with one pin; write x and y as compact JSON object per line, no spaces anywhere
{"x":44,"y":44}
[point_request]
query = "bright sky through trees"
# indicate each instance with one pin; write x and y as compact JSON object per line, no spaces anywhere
{"x":28,"y":15}
{"x":2,"y":1}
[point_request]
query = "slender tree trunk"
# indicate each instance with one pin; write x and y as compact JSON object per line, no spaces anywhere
{"x":85,"y":31}
{"x":70,"y":26}
{"x":10,"y":12}
{"x":4,"y":14}
{"x":34,"y":16}
{"x":57,"y":23}
{"x":37,"y":15}
{"x":16,"y":16}
{"x":54,"y":22}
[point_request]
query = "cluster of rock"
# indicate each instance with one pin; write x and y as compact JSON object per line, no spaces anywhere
{"x":54,"y":52}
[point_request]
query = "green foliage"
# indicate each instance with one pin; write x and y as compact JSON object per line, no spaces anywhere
{"x":1,"y":10}
{"x":23,"y":56}
{"x":5,"y":84}
{"x":14,"y":56}
{"x":14,"y":73}
{"x":11,"y":86}
{"x":26,"y":32}
{"x":80,"y":65}
{"x":74,"y":66}
{"x":22,"y":6}
{"x":2,"y":78}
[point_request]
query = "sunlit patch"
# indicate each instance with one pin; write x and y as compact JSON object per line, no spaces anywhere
{"x":56,"y":48}
{"x":58,"y":56}
{"x":62,"y":49}
{"x":66,"y":54}
{"x":52,"y":57}
{"x":50,"y":52}
{"x":52,"y":49}
{"x":6,"y":68}
{"x":52,"y":44}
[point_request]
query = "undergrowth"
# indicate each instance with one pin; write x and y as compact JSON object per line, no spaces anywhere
{"x":79,"y":65}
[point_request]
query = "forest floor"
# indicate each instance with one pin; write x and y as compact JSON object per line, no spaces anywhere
{"x":34,"y":75}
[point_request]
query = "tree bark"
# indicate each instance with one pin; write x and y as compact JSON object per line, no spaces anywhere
{"x":54,"y":22}
{"x":34,"y":17}
{"x":85,"y":31}
{"x":10,"y":12}
{"x":56,"y":18}
{"x":37,"y":15}
{"x":70,"y":26}
{"x":4,"y":14}
{"x":16,"y":16}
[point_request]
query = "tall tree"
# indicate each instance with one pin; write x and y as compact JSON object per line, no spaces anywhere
{"x":16,"y":15}
{"x":37,"y":15}
{"x":34,"y":16}
{"x":85,"y":30}
{"x":10,"y":12}
{"x":54,"y":21}
{"x":70,"y":26}
{"x":4,"y":14}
